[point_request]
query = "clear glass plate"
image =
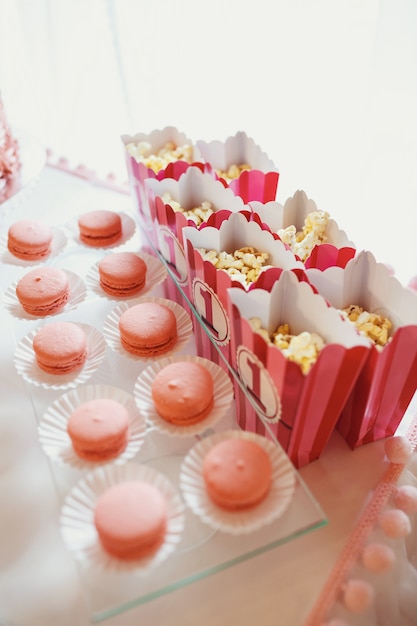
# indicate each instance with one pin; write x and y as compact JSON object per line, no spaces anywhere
{"x":202,"y":550}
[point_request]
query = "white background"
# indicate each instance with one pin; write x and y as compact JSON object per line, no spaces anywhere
{"x":328,"y":88}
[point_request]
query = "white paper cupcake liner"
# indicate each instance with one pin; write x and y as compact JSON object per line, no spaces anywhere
{"x":223,"y":396}
{"x":77,"y":295}
{"x":128,"y":230}
{"x":53,"y":435}
{"x":155,"y":275}
{"x":26,"y":366}
{"x":77,"y":516}
{"x":112,"y":334}
{"x":59,"y":241}
{"x":237,"y":522}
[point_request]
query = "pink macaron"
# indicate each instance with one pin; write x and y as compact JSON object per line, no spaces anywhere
{"x":122,"y":274}
{"x":60,"y":347}
{"x":131,"y":520}
{"x":43,"y":291}
{"x":148,"y":329}
{"x":99,"y":429}
{"x":237,"y":474}
{"x":100,"y":228}
{"x":30,"y":240}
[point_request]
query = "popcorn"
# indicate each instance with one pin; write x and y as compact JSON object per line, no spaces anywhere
{"x":169,"y":153}
{"x":244,"y":264}
{"x":375,"y":327}
{"x":257,"y":327}
{"x":234,"y":171}
{"x":312,"y":234}
{"x":302,"y":349}
{"x":198,"y":214}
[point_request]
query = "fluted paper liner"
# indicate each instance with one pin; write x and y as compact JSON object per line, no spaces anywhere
{"x":223,"y":396}
{"x":77,"y":293}
{"x":26,"y":366}
{"x":77,"y":517}
{"x":155,"y":275}
{"x":388,"y":379}
{"x":112,"y":334}
{"x":128,"y":230}
{"x":237,"y":522}
{"x":54,"y":437}
{"x":300,"y":410}
{"x":59,"y":241}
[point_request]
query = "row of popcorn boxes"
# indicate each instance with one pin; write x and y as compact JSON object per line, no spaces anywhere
{"x":351,"y":384}
{"x":237,"y":163}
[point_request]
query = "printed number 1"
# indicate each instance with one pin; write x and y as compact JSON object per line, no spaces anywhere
{"x":255,"y":387}
{"x":171,"y":250}
{"x":208,"y":310}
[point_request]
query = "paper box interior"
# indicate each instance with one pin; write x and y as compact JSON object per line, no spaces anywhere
{"x":260,"y":182}
{"x":192,"y":189}
{"x":142,"y":145}
{"x":388,"y":379}
{"x":336,"y":250}
{"x":208,"y":286}
{"x":300,"y":409}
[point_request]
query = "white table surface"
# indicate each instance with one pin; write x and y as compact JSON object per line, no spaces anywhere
{"x":39,"y":582}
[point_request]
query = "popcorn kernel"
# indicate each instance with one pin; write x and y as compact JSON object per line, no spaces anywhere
{"x":375,"y":327}
{"x":312,"y":234}
{"x":244,"y":264}
{"x":198,"y":214}
{"x":234,"y":171}
{"x":169,"y":153}
{"x":303,"y":348}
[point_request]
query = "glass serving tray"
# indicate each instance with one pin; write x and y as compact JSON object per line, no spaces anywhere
{"x":202,"y":551}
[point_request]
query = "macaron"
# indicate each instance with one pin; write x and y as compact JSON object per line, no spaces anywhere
{"x":122,"y":274}
{"x":237,"y":473}
{"x":30,"y":240}
{"x":100,"y":228}
{"x":99,"y":429}
{"x":131,"y":520}
{"x":183,"y":393}
{"x":148,"y":329}
{"x":60,"y":347}
{"x":43,"y":291}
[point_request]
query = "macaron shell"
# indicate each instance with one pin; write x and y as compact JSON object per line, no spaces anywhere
{"x":99,"y":429}
{"x":100,"y":228}
{"x":150,"y":351}
{"x":29,"y":240}
{"x":237,"y":521}
{"x":43,"y":291}
{"x":60,"y":347}
{"x":131,"y":519}
{"x":237,"y":474}
{"x":148,"y":328}
{"x":183,"y":392}
{"x":122,"y":273}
